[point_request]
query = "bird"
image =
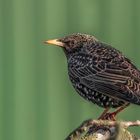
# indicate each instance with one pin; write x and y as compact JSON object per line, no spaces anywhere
{"x":100,"y":73}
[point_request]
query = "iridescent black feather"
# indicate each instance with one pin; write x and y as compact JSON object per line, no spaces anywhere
{"x":100,"y":73}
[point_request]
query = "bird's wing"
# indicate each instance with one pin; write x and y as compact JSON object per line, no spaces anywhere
{"x":117,"y":80}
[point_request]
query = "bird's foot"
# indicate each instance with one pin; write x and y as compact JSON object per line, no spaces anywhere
{"x":109,"y":116}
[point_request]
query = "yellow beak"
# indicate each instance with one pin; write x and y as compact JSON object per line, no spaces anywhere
{"x":54,"y":42}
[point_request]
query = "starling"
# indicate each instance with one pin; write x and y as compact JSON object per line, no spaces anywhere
{"x":100,"y":73}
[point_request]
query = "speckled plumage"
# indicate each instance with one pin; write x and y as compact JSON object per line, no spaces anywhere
{"x":100,"y":73}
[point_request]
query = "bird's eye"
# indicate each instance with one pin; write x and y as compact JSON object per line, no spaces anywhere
{"x":70,"y":42}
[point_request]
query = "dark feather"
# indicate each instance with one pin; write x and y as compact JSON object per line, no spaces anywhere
{"x":110,"y":73}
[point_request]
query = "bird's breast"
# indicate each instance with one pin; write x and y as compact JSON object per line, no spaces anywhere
{"x":77,"y":70}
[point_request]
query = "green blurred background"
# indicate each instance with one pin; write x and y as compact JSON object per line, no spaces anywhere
{"x":37,"y":101}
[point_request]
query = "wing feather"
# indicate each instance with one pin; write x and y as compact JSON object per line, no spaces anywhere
{"x":112,"y":79}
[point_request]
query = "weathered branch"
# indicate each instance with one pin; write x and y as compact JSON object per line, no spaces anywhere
{"x":104,"y":130}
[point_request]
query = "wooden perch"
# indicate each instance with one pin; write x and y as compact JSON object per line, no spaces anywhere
{"x":104,"y":130}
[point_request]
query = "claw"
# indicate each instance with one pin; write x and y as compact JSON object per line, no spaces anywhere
{"x":109,"y":116}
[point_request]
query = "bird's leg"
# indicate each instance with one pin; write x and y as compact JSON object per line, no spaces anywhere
{"x":120,"y":109}
{"x":104,"y":112}
{"x":111,"y":116}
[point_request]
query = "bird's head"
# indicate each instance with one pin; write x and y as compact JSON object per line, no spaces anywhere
{"x":73,"y":42}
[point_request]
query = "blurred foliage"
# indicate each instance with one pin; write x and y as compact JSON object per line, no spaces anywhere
{"x":37,"y":101}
